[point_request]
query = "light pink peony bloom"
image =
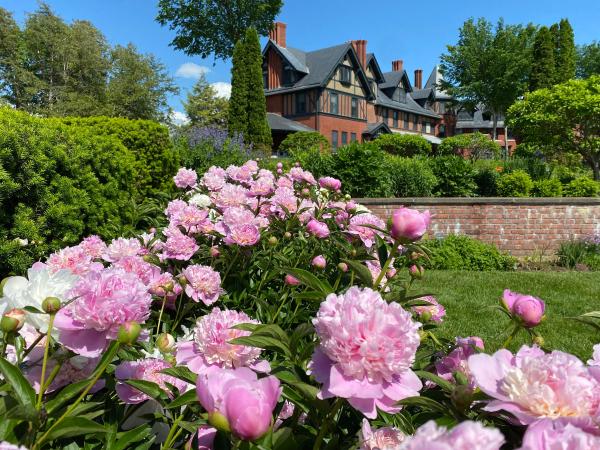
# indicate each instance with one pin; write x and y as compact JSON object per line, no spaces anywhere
{"x":210,"y":345}
{"x":374,"y":267}
{"x":366,"y":234}
{"x":76,"y":259}
{"x":185,"y":178}
{"x":529,"y":309}
{"x":147,"y":370}
{"x":456,"y":360}
{"x":8,"y":446}
{"x":203,"y":283}
{"x":93,"y":246}
{"x":409,"y":224}
{"x":367,"y":347}
{"x":467,"y":435}
{"x":332,"y":184}
{"x":435,"y":312}
{"x":302,"y":176}
{"x":558,"y":435}
{"x":284,"y":182}
{"x":231,"y":195}
{"x":319,"y":262}
{"x":287,"y":411}
{"x":164,"y":284}
{"x":533,"y":385}
{"x":245,"y":402}
{"x":192,"y":219}
{"x":262,"y":187}
{"x":206,"y":438}
{"x":318,"y":229}
{"x":386,"y":438}
{"x":122,"y":248}
{"x":284,"y":201}
{"x":146,"y":272}
{"x":214,"y":179}
{"x":178,"y":245}
{"x":243,"y":235}
{"x":175,"y":207}
{"x":104,"y":301}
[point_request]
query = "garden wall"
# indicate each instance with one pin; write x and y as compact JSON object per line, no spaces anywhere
{"x":520,"y":226}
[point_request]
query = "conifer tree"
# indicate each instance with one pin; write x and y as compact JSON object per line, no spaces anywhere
{"x":238,"y":102}
{"x":566,"y":53}
{"x":204,"y":107}
{"x":543,"y":66}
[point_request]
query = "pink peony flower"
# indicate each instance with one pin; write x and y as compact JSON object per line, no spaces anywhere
{"x":529,"y":309}
{"x":104,"y":301}
{"x":367,"y":347}
{"x":435,"y":312}
{"x":559,"y":434}
{"x":146,"y":272}
{"x":178,"y":245}
{"x":206,"y":438}
{"x":210,"y":345}
{"x":456,"y":360}
{"x":76,"y":259}
{"x":291,"y":280}
{"x":319,"y":262}
{"x":93,"y":246}
{"x":409,"y":224}
{"x":284,"y":201}
{"x":243,"y":235}
{"x":302,"y":176}
{"x":193,"y":220}
{"x":164,"y":284}
{"x":122,"y":248}
{"x":318,"y":229}
{"x":366,"y":234}
{"x":386,"y":438}
{"x":231,"y":195}
{"x":147,"y":370}
{"x":533,"y":385}
{"x":175,"y":207}
{"x":467,"y":435}
{"x":287,"y":411}
{"x":238,"y":398}
{"x":262,"y":187}
{"x":330,"y":183}
{"x":214,"y":179}
{"x":185,"y":178}
{"x":203,"y":283}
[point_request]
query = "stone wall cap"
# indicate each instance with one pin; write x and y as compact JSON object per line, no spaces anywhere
{"x":559,"y":201}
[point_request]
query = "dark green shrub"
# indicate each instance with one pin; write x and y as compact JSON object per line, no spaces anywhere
{"x":472,"y":145}
{"x":455,"y":176}
{"x":515,"y":184}
{"x":571,"y":253}
{"x":303,"y":141}
{"x":551,"y":187}
{"x":526,"y":151}
{"x":363,"y":170}
{"x":487,"y":180}
{"x":411,"y":177}
{"x":403,"y":144}
{"x":459,"y":252}
{"x":582,"y":187}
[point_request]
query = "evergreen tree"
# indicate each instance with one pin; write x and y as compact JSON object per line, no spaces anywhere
{"x":588,"y":60}
{"x":543,"y":66}
{"x":566,"y":54}
{"x":238,"y":102}
{"x":258,"y":132}
{"x":204,"y":107}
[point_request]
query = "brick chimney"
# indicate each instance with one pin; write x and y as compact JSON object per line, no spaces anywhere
{"x":398,"y":65}
{"x":361,"y":50}
{"x":419,"y":78}
{"x":278,"y":33}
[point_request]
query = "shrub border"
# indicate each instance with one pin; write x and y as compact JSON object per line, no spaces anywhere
{"x":480,"y":201}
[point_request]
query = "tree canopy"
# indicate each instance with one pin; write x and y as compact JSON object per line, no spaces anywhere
{"x":203,"y":107}
{"x":588,"y":60}
{"x":205,"y":27}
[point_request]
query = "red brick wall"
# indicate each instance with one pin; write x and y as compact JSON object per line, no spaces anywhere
{"x":329,"y":123}
{"x":518,"y":226}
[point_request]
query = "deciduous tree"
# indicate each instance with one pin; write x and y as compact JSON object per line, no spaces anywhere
{"x":588,"y":60}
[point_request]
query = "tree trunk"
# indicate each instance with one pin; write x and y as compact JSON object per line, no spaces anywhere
{"x":495,"y":126}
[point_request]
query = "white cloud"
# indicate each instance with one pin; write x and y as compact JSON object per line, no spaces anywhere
{"x":179,"y":118}
{"x":191,"y":70}
{"x":223,"y":89}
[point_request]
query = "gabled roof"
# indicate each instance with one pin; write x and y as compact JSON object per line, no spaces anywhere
{"x":372,"y":61}
{"x":393,"y":79}
{"x":294,"y":58}
{"x":465,"y":119}
{"x":434,"y":82}
{"x":410,"y":105}
{"x":277,"y":122}
{"x":376,"y":128}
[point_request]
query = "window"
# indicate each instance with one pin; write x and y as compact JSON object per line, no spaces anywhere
{"x":385,"y":115}
{"x":401,"y":95}
{"x":406,"y":124}
{"x":289,"y":75}
{"x":395,"y":119}
{"x":415,"y":124}
{"x":334,"y":139}
{"x":352,"y":137}
{"x":354,"y":107}
{"x":442,"y":130}
{"x":301,"y":103}
{"x":344,"y":137}
{"x":333,"y":103}
{"x":345,"y":74}
{"x":428,"y":127}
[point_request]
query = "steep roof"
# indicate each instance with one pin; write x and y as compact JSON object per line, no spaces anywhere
{"x":410,"y":105}
{"x":277,"y":122}
{"x":465,"y":119}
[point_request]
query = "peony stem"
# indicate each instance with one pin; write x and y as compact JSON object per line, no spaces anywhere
{"x":386,"y":266}
{"x":45,"y":362}
{"x":172,"y":436}
{"x":162,"y":309}
{"x":511,"y":335}
{"x":324,"y":428}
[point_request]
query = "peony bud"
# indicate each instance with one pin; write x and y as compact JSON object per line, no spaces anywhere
{"x":214,"y":252}
{"x":2,"y":284}
{"x":391,"y":273}
{"x":129,"y":332}
{"x":539,"y":341}
{"x":13,"y":320}
{"x":343,"y":267}
{"x":279,"y":171}
{"x":319,"y":262}
{"x":273,"y":241}
{"x":287,"y":235}
{"x":408,"y":224}
{"x":51,"y":305}
{"x":305,"y":192}
{"x":527,"y":309}
{"x":318,"y":229}
{"x":165,"y":343}
{"x":416,"y":272}
{"x":291,"y":280}
{"x":280,"y":165}
{"x":219,"y":421}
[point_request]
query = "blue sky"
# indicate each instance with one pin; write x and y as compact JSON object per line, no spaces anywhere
{"x":415,"y":31}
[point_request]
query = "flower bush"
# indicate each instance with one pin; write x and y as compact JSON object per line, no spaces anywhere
{"x":271,"y":312}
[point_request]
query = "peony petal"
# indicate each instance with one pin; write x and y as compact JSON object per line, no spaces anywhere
{"x":488,"y":370}
{"x":90,"y":343}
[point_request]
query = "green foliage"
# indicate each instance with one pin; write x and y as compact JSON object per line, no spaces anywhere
{"x":455,"y":176}
{"x":473,"y":145}
{"x":203,"y":107}
{"x":566,"y":53}
{"x":403,"y":144}
{"x":304,"y":141}
{"x":362,"y":170}
{"x":515,"y":184}
{"x":487,"y":182}
{"x":588,"y":60}
{"x":57,"y":185}
{"x":562,"y":121}
{"x":572,"y":253}
{"x":543,"y":66}
{"x":459,"y":252}
{"x":551,"y":187}
{"x":411,"y":177}
{"x":318,"y":163}
{"x":582,"y":187}
{"x":212,"y":26}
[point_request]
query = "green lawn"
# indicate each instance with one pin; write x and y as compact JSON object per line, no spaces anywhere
{"x":467,"y":294}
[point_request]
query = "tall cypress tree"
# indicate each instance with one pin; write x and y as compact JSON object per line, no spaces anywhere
{"x":238,"y":102}
{"x":566,"y":53}
{"x":259,"y":132}
{"x":543,"y":66}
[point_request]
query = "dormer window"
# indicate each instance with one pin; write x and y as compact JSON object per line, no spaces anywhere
{"x":345,"y":75}
{"x":289,"y":75}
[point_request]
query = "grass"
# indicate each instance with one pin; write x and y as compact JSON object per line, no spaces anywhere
{"x":467,"y":296}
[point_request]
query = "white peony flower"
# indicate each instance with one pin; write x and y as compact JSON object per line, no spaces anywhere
{"x":40,"y":283}
{"x":200,"y":200}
